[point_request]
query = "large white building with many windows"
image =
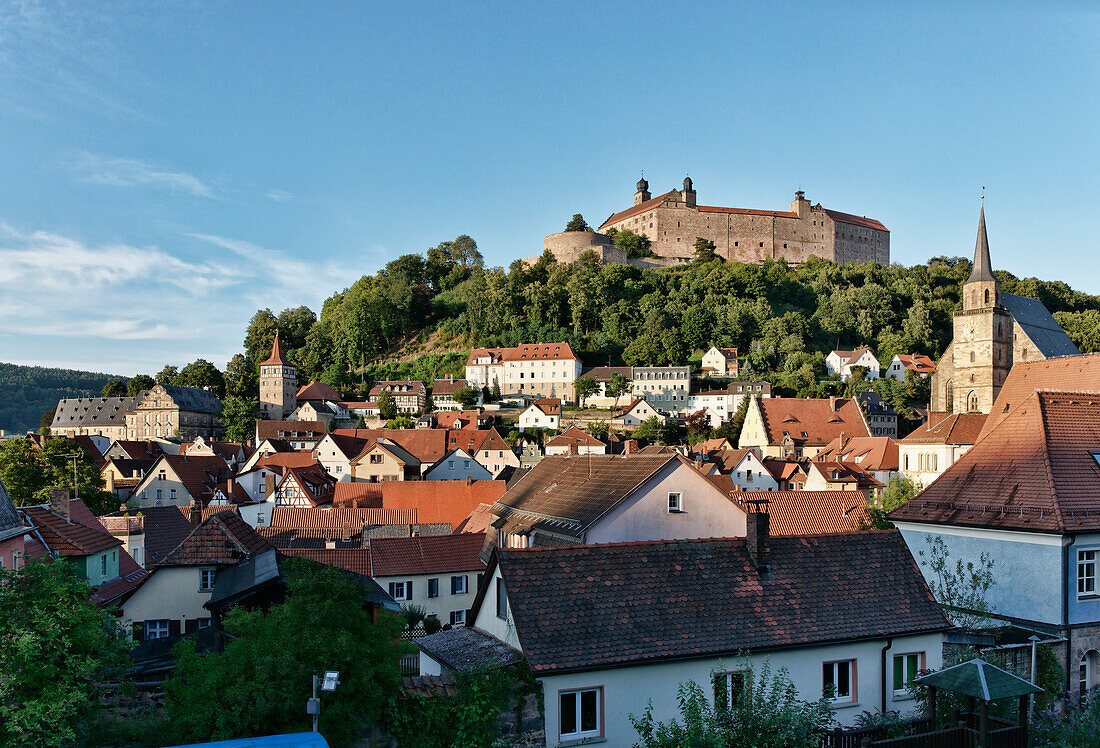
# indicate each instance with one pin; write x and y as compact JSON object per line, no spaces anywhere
{"x":531,"y":370}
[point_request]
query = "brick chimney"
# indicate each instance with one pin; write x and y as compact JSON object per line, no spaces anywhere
{"x":630,"y":447}
{"x":59,"y":502}
{"x":832,"y":403}
{"x":757,"y":538}
{"x":194,"y":514}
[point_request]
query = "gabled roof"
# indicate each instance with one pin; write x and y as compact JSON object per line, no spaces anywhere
{"x":395,"y":450}
{"x":550,"y":406}
{"x":785,"y":470}
{"x":467,"y":650}
{"x":318,"y":391}
{"x":276,"y":358}
{"x":447,"y":386}
{"x":397,"y":386}
{"x":449,"y":501}
{"x":862,"y":221}
{"x":164,"y":528}
{"x":476,"y":440}
{"x":1039,"y":325}
{"x":426,"y":554}
{"x":566,"y":495}
{"x":873,"y":404}
{"x":355,"y":560}
{"x":727,"y":460}
{"x":285,"y":429}
{"x":948,"y":428}
{"x":199,"y":474}
{"x":822,"y":420}
{"x":604,"y":373}
{"x":478,"y":520}
{"x":427,"y":445}
{"x":840,"y":472}
{"x":639,"y":208}
{"x":633,"y":404}
{"x":138,"y":450}
{"x":850,"y":357}
{"x":869,"y":452}
{"x":80,"y":535}
{"x":1037,"y":470}
{"x":11,"y":523}
{"x":206,"y":512}
{"x":316,"y":481}
{"x":574,"y":435}
{"x":320,"y":520}
{"x":280,"y":462}
{"x":918,"y":362}
{"x":727,"y":353}
{"x":799,"y":513}
{"x":568,"y":603}
{"x":1069,"y":373}
{"x":223,"y":539}
{"x":709,"y":446}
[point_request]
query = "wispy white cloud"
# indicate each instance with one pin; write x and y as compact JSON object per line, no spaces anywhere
{"x":125,"y":172}
{"x":279,"y":196}
{"x":282,"y":269}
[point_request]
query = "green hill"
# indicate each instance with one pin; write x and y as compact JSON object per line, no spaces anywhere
{"x":27,"y":392}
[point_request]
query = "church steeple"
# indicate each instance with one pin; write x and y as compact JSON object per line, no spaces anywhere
{"x":982,"y":290}
{"x":983,"y":268}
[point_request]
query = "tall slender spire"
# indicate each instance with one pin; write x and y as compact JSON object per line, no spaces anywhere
{"x":276,"y":358}
{"x":983,"y":268}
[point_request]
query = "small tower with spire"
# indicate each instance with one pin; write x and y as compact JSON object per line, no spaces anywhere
{"x":981,"y":351}
{"x":278,"y":385}
{"x":643,"y":191}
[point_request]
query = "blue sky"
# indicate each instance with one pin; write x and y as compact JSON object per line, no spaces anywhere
{"x":166,"y":168}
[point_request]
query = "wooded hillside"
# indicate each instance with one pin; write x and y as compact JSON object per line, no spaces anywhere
{"x":27,"y":392}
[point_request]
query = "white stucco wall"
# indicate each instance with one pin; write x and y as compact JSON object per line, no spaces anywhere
{"x":170,"y":592}
{"x":457,"y":466}
{"x":442,"y":606}
{"x":501,"y":628}
{"x":707,"y":512}
{"x":761,"y":479}
{"x":946,"y":455}
{"x":627,"y":690}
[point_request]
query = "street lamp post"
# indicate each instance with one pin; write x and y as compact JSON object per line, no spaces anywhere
{"x":329,"y":683}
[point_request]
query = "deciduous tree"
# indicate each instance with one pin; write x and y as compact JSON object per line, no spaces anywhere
{"x":239,"y":418}
{"x":387,"y":408}
{"x":585,"y":387}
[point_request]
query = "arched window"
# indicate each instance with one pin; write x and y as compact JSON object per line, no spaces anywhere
{"x":972,"y":402}
{"x":987,"y":296}
{"x":1088,"y":672}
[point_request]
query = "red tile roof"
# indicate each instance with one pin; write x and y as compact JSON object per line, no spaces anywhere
{"x":844,"y":472}
{"x":318,"y":391}
{"x":355,"y":560}
{"x":639,"y":208}
{"x":426,"y":445}
{"x":588,"y":607}
{"x":810,"y":512}
{"x":527,"y":352}
{"x":281,"y":461}
{"x":747,"y":211}
{"x":276,"y":358}
{"x":478,"y":521}
{"x":447,"y":386}
{"x":364,"y":495}
{"x":223,"y":539}
{"x":318,"y":520}
{"x":199,"y":474}
{"x":1035,"y":471}
{"x":822,"y":420}
{"x":1068,"y":373}
{"x":426,"y":554}
{"x":315,"y":481}
{"x":164,"y":527}
{"x":80,"y":535}
{"x":208,"y":511}
{"x":869,"y":452}
{"x":449,"y":501}
{"x":290,"y":429}
{"x":948,"y":428}
{"x":574,"y":435}
{"x":917,"y":362}
{"x":398,"y":386}
{"x":863,"y":221}
{"x":727,"y":460}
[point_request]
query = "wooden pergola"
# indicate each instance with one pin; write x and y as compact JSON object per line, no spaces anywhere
{"x":981,"y":683}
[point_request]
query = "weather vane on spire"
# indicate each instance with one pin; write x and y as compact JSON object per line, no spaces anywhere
{"x":983,"y":193}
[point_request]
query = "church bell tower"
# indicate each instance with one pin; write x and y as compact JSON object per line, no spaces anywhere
{"x":278,"y":385}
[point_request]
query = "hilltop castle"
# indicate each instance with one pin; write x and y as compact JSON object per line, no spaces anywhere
{"x":674,"y":220}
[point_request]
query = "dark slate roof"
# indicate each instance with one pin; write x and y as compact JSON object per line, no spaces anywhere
{"x":874,"y":404}
{"x":979,"y":679}
{"x":467,"y":650}
{"x":1037,"y":322}
{"x":11,"y":524}
{"x":983,"y":268}
{"x":165,"y":527}
{"x":588,"y":607}
{"x":235,"y":582}
{"x":193,"y":400}
{"x":93,"y":411}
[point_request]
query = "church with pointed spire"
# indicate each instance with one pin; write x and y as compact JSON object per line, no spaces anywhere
{"x":278,"y":385}
{"x":992,"y":331}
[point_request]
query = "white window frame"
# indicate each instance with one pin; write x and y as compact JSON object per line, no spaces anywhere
{"x":725,"y":680}
{"x":400,"y":587}
{"x":433,"y":582}
{"x":1086,"y":573}
{"x":578,"y":697}
{"x":157,"y":629}
{"x":835,"y":669}
{"x":458,"y":617}
{"x":675,"y":502}
{"x":460,"y":584}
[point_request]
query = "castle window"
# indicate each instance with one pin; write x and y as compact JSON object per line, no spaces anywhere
{"x":761,"y":244}
{"x":972,"y":357}
{"x":987,"y":296}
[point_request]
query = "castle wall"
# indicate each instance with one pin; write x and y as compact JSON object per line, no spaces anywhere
{"x":568,"y":246}
{"x":672,"y":227}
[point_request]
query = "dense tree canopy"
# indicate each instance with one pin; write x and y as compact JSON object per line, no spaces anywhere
{"x":29,"y":473}
{"x":56,"y":649}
